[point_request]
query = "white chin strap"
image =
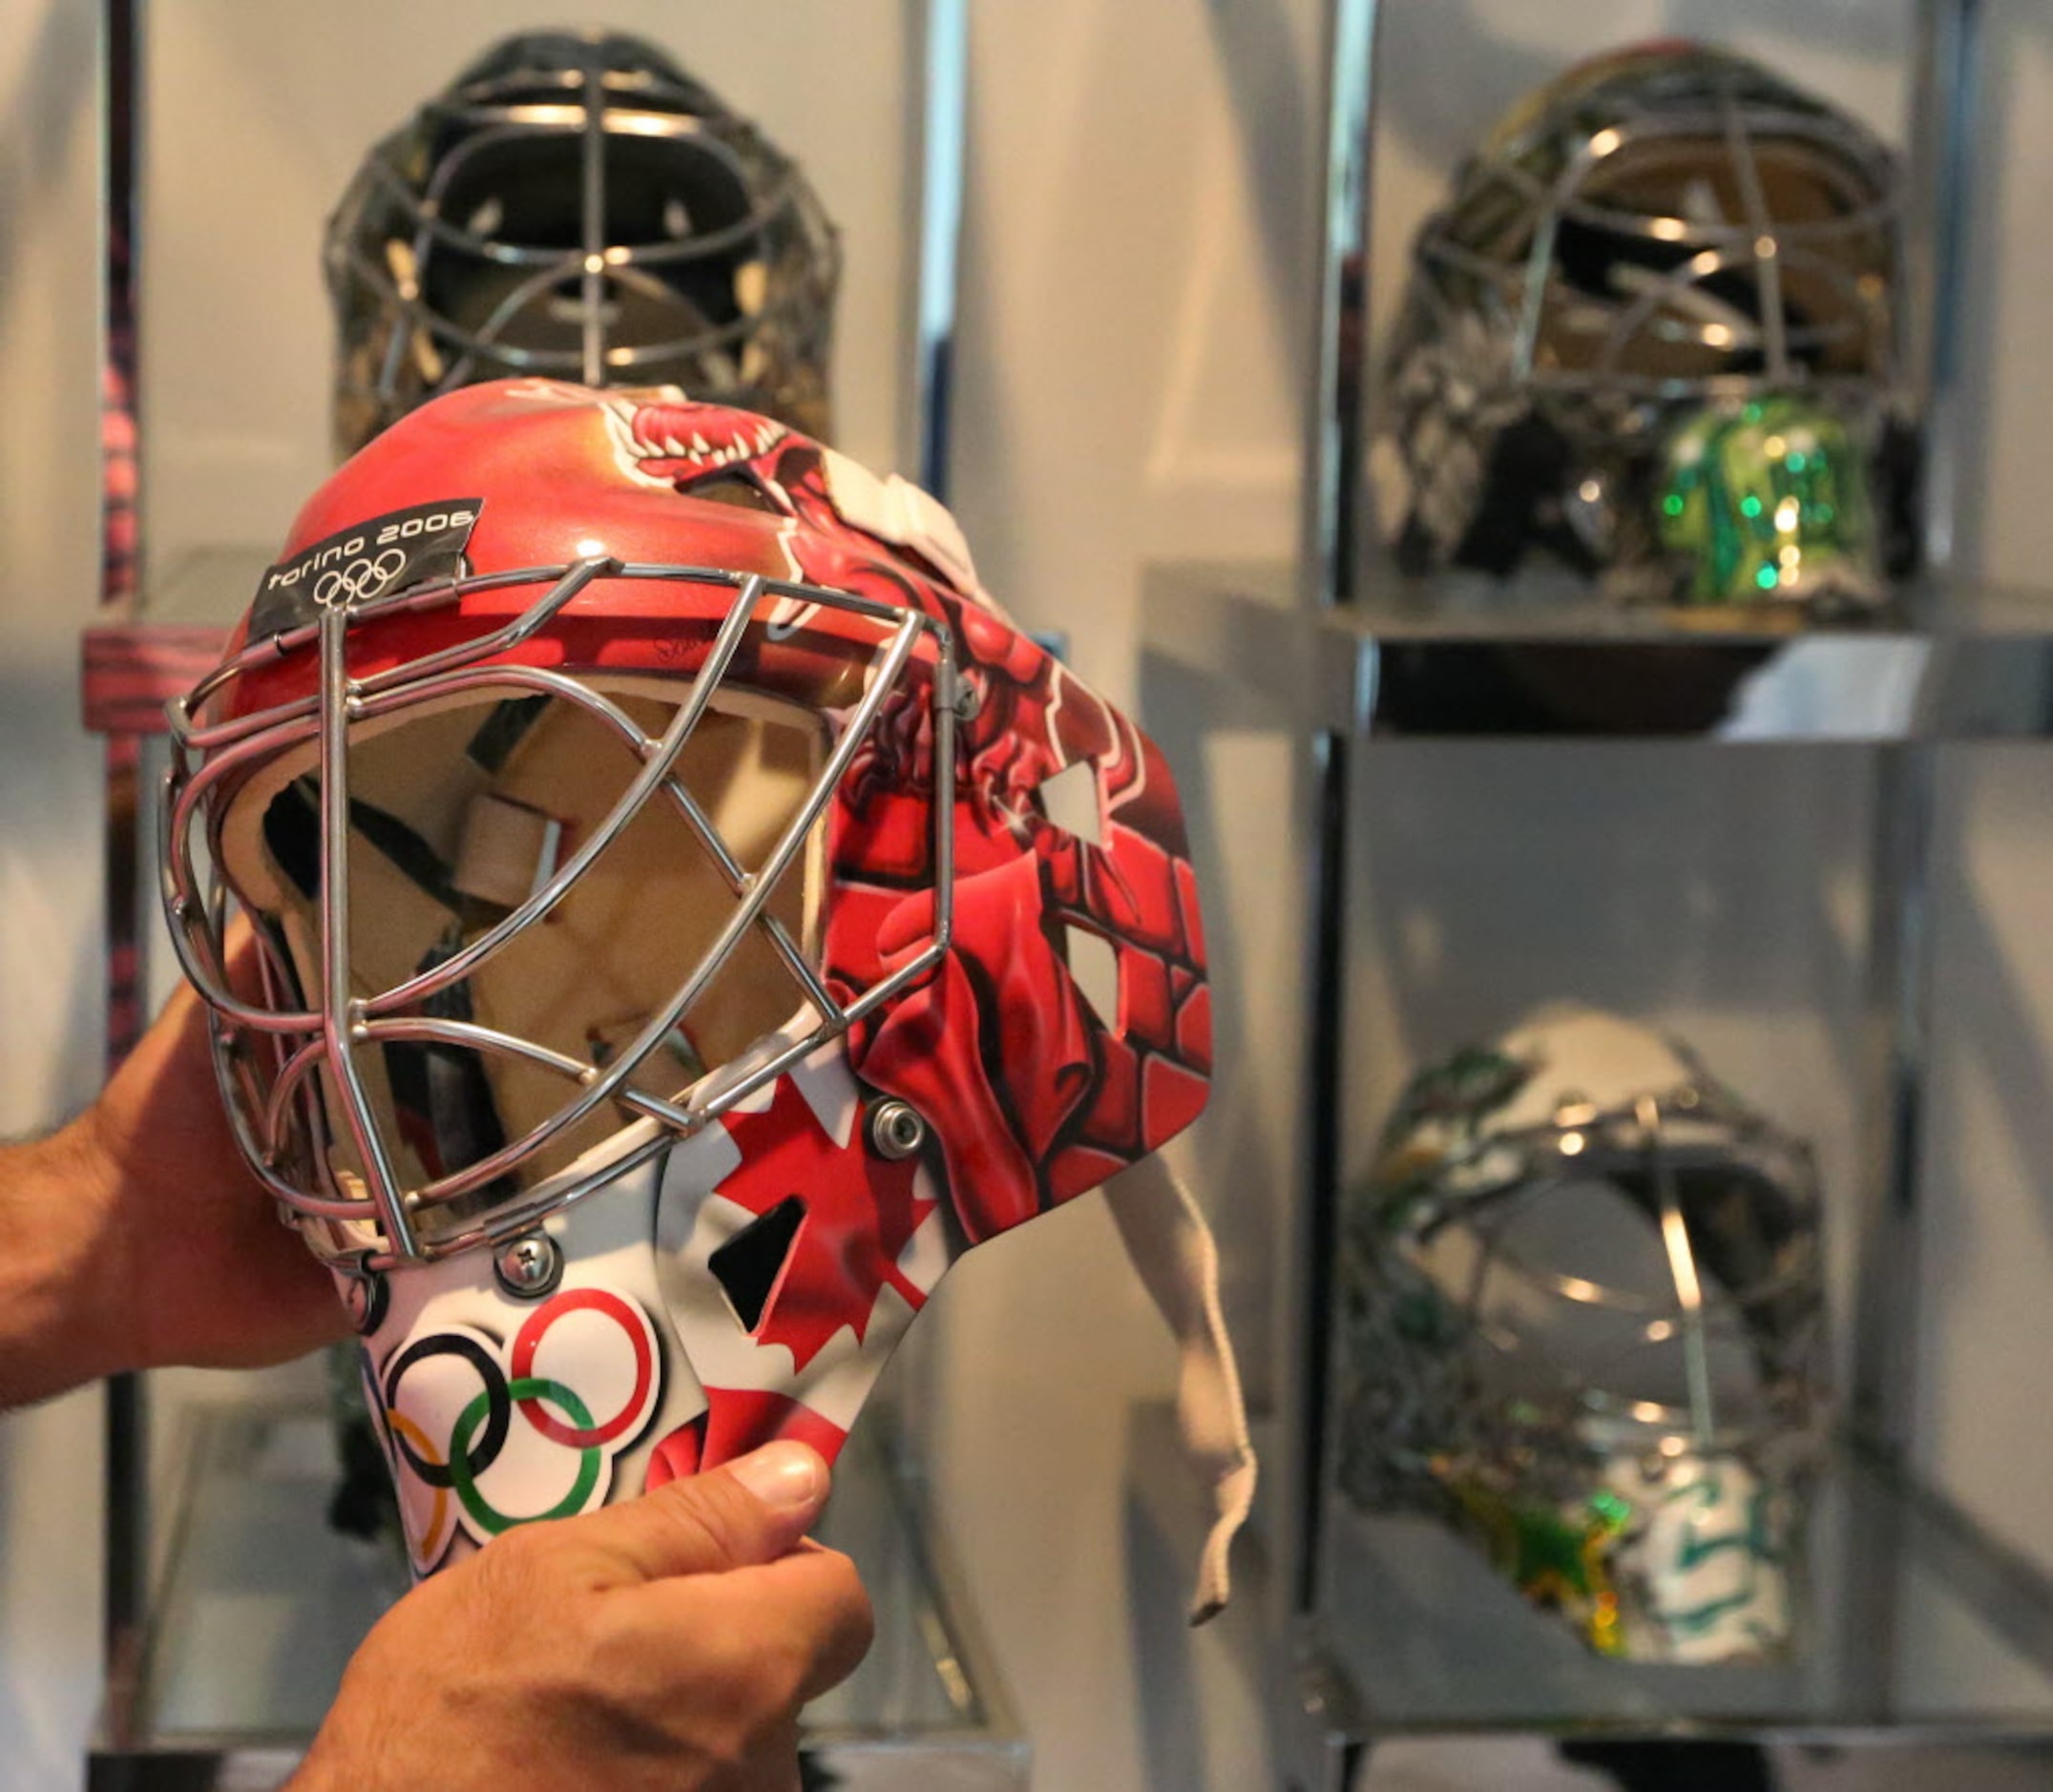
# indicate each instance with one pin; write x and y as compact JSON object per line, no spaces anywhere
{"x":1171,"y":1248}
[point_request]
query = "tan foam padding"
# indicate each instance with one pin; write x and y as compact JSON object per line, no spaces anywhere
{"x":625,"y":937}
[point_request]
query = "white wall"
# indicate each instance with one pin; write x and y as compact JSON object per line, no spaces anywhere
{"x":1137,"y":272}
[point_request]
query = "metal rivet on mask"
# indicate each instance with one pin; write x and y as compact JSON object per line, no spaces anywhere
{"x":365,"y":1295}
{"x":896,"y":1129}
{"x":530,"y":1266}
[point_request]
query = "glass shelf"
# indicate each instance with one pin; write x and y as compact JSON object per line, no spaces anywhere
{"x":261,"y":1605}
{"x":1920,"y":1624}
{"x":1526,"y":660}
{"x":1419,"y":1638}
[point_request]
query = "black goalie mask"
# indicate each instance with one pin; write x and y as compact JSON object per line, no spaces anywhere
{"x":1643,"y":261}
{"x":575,"y":205}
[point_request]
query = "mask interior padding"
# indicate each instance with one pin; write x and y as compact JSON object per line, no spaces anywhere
{"x":458,"y":813}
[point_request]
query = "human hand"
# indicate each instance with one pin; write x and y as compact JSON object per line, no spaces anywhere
{"x":137,"y":1236}
{"x":191,"y":1264}
{"x":668,"y":1643}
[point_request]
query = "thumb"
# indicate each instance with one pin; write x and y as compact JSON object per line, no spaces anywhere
{"x":750,"y":1512}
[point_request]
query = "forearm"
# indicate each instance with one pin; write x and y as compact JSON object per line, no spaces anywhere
{"x":56,"y":1328}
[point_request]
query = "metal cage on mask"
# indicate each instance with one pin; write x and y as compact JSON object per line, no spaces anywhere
{"x":1668,"y":229}
{"x":1639,"y":1144}
{"x":270,"y":1102}
{"x":1718,"y":287}
{"x":400,"y":243}
{"x":1452,"y":1405}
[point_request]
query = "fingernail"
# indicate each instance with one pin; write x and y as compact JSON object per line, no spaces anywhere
{"x":783,"y":1477}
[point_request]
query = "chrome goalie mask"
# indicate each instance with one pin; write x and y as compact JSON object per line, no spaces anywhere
{"x":577,"y":206}
{"x":670,"y":875}
{"x":1582,"y":1325}
{"x":1659,"y":239}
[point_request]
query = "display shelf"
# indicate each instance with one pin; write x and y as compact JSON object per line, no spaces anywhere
{"x":1429,"y":1637}
{"x":1410,"y":665}
{"x":131,"y":665}
{"x":1415,"y":1638}
{"x":1927,"y":1627}
{"x":261,"y":1605}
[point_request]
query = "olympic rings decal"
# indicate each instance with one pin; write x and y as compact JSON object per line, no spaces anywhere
{"x":361,"y":581}
{"x":438,"y":1513}
{"x":446,"y":1344}
{"x":529,"y":1340}
{"x":538,"y":1384}
{"x":525,"y":1388}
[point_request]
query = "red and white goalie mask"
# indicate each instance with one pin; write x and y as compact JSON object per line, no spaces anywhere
{"x":675,"y":887}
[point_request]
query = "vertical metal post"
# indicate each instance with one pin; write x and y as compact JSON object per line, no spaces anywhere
{"x":126,"y":1517}
{"x":1325,"y":1006}
{"x":1883,"y":1396}
{"x":937,"y":70}
{"x":1325,"y":557}
{"x":1899,"y":966}
{"x":1326,"y":568}
{"x":592,"y":177}
{"x":1945,"y":108}
{"x":944,"y":79}
{"x":119,"y":412}
{"x":1340,"y":323}
{"x":1886,"y":1217}
{"x":125,"y":1537}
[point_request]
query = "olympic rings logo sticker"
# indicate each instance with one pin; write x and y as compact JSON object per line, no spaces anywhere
{"x":359,"y":581}
{"x":581,"y":1376}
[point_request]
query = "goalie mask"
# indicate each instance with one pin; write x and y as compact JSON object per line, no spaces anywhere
{"x":1583,"y":1305}
{"x":576,"y":205}
{"x":1663,"y":234}
{"x":673,"y":882}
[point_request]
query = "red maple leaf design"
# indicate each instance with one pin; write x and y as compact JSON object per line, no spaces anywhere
{"x":860,"y":1212}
